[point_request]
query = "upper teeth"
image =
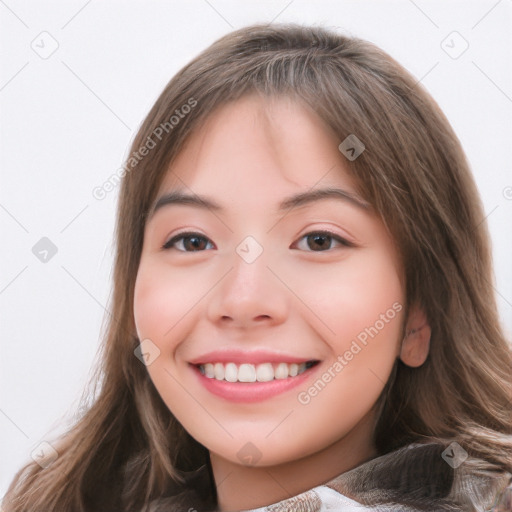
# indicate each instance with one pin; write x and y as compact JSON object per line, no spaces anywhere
{"x":251,"y":373}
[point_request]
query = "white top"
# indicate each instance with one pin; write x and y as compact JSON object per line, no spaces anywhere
{"x":319,"y":499}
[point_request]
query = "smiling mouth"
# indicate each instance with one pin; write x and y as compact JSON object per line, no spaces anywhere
{"x":246,"y":372}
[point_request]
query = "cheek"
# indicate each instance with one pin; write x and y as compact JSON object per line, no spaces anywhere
{"x":163,"y":306}
{"x":153,"y":301}
{"x":349,"y":298}
{"x":162,"y":298}
{"x":363,"y":306}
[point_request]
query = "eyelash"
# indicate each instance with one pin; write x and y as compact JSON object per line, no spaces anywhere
{"x":181,"y":236}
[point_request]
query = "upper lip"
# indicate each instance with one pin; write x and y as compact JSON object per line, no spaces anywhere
{"x":250,"y":357}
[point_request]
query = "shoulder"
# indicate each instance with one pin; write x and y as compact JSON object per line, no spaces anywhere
{"x":414,"y":478}
{"x":422,"y":477}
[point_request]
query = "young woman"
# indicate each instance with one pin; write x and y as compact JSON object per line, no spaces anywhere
{"x":303,"y":316}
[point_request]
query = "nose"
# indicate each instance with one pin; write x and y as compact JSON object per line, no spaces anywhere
{"x":249,"y":295}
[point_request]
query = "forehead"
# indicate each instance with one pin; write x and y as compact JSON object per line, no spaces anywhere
{"x":259,"y":144}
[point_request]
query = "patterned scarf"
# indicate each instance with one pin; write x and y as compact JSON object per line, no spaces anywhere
{"x":416,"y":478}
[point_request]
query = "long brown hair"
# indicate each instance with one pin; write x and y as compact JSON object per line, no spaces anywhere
{"x":128,"y":448}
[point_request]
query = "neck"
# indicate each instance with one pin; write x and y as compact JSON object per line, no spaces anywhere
{"x":243,"y":487}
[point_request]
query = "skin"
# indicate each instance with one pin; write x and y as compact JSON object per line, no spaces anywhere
{"x":293,"y":299}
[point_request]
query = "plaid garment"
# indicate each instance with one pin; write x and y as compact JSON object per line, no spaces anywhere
{"x":415,"y":478}
{"x":419,"y":477}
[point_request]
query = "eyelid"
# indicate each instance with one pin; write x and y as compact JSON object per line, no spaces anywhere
{"x":344,"y":241}
{"x":183,"y":234}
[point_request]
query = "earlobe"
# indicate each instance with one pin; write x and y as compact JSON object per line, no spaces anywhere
{"x":416,"y":343}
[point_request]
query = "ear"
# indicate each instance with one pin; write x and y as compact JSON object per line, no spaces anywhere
{"x":416,"y":343}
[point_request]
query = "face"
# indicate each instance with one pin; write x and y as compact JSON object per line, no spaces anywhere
{"x":272,"y":310}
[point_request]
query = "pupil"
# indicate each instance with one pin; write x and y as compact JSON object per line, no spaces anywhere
{"x":320,"y":241}
{"x":194,"y":243}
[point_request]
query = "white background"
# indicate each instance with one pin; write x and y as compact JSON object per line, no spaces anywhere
{"x":67,"y":122}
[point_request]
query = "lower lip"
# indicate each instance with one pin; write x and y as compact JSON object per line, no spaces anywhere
{"x":249,"y":392}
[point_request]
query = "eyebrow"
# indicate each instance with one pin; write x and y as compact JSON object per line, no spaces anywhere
{"x":304,"y":198}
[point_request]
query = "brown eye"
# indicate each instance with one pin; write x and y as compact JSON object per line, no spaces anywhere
{"x":320,"y":241}
{"x":188,"y":242}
